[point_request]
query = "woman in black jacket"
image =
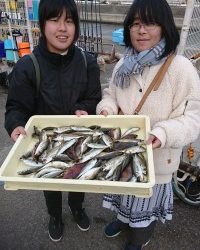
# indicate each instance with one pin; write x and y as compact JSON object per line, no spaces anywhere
{"x":69,"y":84}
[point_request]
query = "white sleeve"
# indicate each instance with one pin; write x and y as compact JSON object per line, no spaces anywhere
{"x":183,"y":125}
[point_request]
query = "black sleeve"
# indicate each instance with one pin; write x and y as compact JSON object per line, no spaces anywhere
{"x":20,"y":103}
{"x":93,"y":94}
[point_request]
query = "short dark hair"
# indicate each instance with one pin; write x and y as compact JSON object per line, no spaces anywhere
{"x":53,"y":8}
{"x":153,"y":11}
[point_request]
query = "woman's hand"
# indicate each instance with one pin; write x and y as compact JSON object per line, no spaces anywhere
{"x":156,"y":143}
{"x":81,"y":112}
{"x":17,"y":132}
{"x":104,"y":112}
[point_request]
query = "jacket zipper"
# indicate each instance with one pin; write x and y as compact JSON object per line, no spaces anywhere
{"x":61,"y":92}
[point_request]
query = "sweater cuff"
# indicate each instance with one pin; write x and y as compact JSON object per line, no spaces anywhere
{"x":160,"y":134}
{"x":108,"y":109}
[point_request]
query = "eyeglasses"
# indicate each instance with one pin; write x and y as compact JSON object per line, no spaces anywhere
{"x":148,"y":27}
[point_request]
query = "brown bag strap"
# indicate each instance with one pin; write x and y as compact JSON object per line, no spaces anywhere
{"x":155,"y":83}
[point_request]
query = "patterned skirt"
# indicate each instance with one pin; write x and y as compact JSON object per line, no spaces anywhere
{"x":140,"y":212}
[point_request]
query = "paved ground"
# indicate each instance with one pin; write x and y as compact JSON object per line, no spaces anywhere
{"x":24,"y":220}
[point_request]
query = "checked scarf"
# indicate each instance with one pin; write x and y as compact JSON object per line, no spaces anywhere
{"x":135,"y":62}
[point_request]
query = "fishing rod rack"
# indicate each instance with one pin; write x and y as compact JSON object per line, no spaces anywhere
{"x":90,"y":31}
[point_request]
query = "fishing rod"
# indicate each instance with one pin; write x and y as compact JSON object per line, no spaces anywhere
{"x":97,"y":34}
{"x":92,"y":33}
{"x":100,"y":28}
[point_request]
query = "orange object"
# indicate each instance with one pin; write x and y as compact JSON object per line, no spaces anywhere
{"x":24,"y":49}
{"x":190,"y":152}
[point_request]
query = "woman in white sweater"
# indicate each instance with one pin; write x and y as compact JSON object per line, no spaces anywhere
{"x":150,"y":36}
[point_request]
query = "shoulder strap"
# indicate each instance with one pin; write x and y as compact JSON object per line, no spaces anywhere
{"x":84,"y":57}
{"x":156,"y":82}
{"x":37,"y":72}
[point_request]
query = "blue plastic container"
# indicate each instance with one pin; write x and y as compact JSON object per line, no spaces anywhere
{"x":2,"y":50}
{"x":118,"y":36}
{"x":30,"y":13}
{"x":30,"y":9}
{"x":11,"y":52}
{"x":35,"y":9}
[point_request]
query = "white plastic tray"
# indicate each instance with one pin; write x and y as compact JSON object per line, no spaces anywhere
{"x":8,"y":171}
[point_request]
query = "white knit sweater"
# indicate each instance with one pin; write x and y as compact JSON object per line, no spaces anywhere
{"x":174,"y":110}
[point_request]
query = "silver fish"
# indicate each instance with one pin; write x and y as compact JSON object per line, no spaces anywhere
{"x":117,"y":133}
{"x":124,"y":145}
{"x":92,"y":133}
{"x":135,"y":141}
{"x":134,"y":149}
{"x":97,"y":145}
{"x":29,"y":170}
{"x":112,"y":163}
{"x":110,"y":174}
{"x":52,"y":174}
{"x":80,"y":128}
{"x":45,"y":171}
{"x":49,"y":131}
{"x":43,"y":156}
{"x":142,"y":158}
{"x":32,"y":163}
{"x":41,"y":147}
{"x":62,"y":157}
{"x":66,"y":145}
{"x":50,"y":155}
{"x":138,"y":168}
{"x":108,"y":155}
{"x":107,"y":140}
{"x":87,"y":167}
{"x":115,"y":171}
{"x":77,"y":147}
{"x":114,"y":133}
{"x":62,"y":129}
{"x":90,"y":174}
{"x":130,"y":136}
{"x":43,"y":136}
{"x":130,"y":131}
{"x":84,"y":146}
{"x":58,"y":164}
{"x":91,"y":154}
{"x":66,"y":137}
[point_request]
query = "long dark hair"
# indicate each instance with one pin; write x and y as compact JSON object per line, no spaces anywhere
{"x":153,"y":11}
{"x":53,"y":8}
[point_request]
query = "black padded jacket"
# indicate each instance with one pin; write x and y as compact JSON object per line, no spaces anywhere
{"x":67,"y":84}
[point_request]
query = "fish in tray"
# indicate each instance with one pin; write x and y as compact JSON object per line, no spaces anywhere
{"x":86,"y":153}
